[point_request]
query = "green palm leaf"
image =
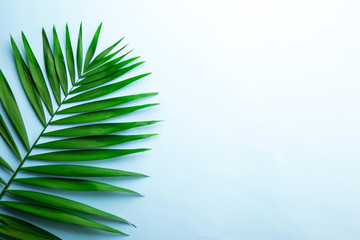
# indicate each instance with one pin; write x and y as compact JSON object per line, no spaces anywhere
{"x":5,"y":133}
{"x":102,"y":81}
{"x":26,"y":230}
{"x":100,"y":115}
{"x":83,"y":142}
{"x":28,"y":83}
{"x":80,"y":171}
{"x":86,"y":155}
{"x":8,"y":100}
{"x":60,"y":62}
{"x":99,"y":59}
{"x":79,"y":53}
{"x":57,"y":215}
{"x":92,"y":141}
{"x":51,"y":69}
{"x":103,"y":104}
{"x":91,"y":50}
{"x":72,"y":184}
{"x":97,"y":129}
{"x":62,"y":203}
{"x":5,"y":164}
{"x":70,"y":56}
{"x":37,"y":75}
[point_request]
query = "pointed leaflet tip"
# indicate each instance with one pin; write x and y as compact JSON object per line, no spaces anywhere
{"x":79,"y":53}
{"x":91,"y":50}
{"x":37,"y":75}
{"x":69,"y":56}
{"x":60,"y":62}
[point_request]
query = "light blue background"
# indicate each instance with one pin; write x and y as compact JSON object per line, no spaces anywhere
{"x":261,"y":102}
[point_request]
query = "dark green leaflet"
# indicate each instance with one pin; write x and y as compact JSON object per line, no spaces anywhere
{"x":103,"y":60}
{"x":28,"y":83}
{"x":97,"y":129}
{"x":104,"y":104}
{"x":92,"y":48}
{"x":8,"y":100}
{"x":63,"y":203}
{"x":5,"y":164}
{"x":79,"y":53}
{"x":100,"y":115}
{"x":106,"y":79}
{"x":86,"y":155}
{"x":94,"y":63}
{"x":37,"y":75}
{"x":26,"y":228}
{"x":50,"y":68}
{"x":60,"y":62}
{"x":18,"y":233}
{"x":80,"y":171}
{"x":106,"y":72}
{"x":92,"y":141}
{"x":101,"y":91}
{"x":70,"y":56}
{"x":5,"y":133}
{"x":57,"y":215}
{"x":73,"y":184}
{"x":105,"y":66}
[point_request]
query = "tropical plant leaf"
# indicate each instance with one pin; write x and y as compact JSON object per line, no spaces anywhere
{"x":57,"y":215}
{"x":37,"y":75}
{"x":83,"y":142}
{"x":60,"y":62}
{"x":62,"y":203}
{"x":70,"y":56}
{"x":103,"y":104}
{"x":97,"y":129}
{"x":86,"y":155}
{"x":28,"y":83}
{"x":91,"y":50}
{"x":94,"y":63}
{"x":79,"y":53}
{"x":50,"y":68}
{"x":80,"y":171}
{"x":5,"y":164}
{"x":105,"y":69}
{"x":18,"y":233}
{"x":8,"y":100}
{"x":26,"y":228}
{"x":102,"y":91}
{"x":102,"y":81}
{"x":100,"y":115}
{"x":72,"y":184}
{"x":108,"y":71}
{"x":92,"y":141}
{"x":5,"y":133}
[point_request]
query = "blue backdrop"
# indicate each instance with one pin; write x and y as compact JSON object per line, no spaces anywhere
{"x":261,"y":102}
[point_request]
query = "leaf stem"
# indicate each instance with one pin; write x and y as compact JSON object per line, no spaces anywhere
{"x":32,"y":147}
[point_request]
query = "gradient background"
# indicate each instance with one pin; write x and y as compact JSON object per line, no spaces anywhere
{"x":261,"y":102}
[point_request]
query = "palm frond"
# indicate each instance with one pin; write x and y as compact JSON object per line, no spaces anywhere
{"x":88,"y":80}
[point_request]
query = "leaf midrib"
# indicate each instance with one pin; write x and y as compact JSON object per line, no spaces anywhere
{"x":33,"y":145}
